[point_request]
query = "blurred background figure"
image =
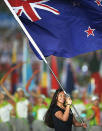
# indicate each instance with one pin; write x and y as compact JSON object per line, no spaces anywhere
{"x":39,"y":105}
{"x":49,"y":98}
{"x":39,"y":111}
{"x":5,"y":113}
{"x":78,"y":103}
{"x":95,"y":118}
{"x":22,"y":110}
{"x":94,"y":114}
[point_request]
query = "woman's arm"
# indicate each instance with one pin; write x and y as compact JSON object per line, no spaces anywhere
{"x":78,"y":124}
{"x":63,"y":116}
{"x":7,"y":92}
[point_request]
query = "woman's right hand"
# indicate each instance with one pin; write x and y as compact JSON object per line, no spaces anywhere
{"x":68,"y":100}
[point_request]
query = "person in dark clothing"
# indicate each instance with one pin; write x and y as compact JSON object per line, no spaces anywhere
{"x":59,"y":114}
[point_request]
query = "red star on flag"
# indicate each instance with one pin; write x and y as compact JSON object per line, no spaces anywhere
{"x":98,"y":2}
{"x":89,"y":31}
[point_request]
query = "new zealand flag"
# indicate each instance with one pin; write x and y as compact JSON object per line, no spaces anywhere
{"x":63,"y":28}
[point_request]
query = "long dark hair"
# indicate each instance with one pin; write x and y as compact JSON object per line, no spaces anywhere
{"x":48,"y":116}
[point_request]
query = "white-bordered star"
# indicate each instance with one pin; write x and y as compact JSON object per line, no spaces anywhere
{"x":98,"y":2}
{"x":90,"y":31}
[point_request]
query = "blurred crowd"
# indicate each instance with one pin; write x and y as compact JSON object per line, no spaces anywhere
{"x":19,"y":112}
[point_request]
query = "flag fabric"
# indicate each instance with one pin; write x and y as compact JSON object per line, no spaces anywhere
{"x":54,"y":67}
{"x":44,"y":79}
{"x":64,"y":28}
{"x":49,"y":81}
{"x":94,"y":64}
{"x":98,"y":83}
{"x":68,"y":79}
{"x":10,"y":71}
{"x":91,"y":87}
{"x":14,"y":74}
{"x":64,"y":72}
{"x":100,"y":69}
{"x":27,"y":68}
{"x":14,"y":53}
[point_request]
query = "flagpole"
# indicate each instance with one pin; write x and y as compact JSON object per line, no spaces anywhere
{"x":38,"y":50}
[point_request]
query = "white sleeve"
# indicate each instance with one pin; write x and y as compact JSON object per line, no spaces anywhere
{"x":26,"y":102}
{"x":10,"y":107}
{"x":0,"y":112}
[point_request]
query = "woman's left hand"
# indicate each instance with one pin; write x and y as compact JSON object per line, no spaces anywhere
{"x":84,"y":125}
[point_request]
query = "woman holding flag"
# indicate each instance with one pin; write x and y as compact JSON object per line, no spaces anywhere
{"x":59,"y":114}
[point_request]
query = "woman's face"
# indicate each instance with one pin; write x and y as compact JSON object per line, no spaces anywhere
{"x":61,"y":97}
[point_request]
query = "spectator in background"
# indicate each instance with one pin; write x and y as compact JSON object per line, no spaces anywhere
{"x":22,"y":108}
{"x":48,"y":99}
{"x":78,"y":103}
{"x":85,"y":97}
{"x":89,"y":107}
{"x":5,"y":111}
{"x":33,"y":96}
{"x":40,"y":105}
{"x":95,"y":115}
{"x":39,"y":111}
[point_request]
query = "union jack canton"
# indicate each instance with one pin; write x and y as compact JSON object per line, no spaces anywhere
{"x":28,"y":7}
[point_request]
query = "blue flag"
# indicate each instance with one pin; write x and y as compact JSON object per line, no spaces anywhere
{"x":27,"y":69}
{"x":64,"y":28}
